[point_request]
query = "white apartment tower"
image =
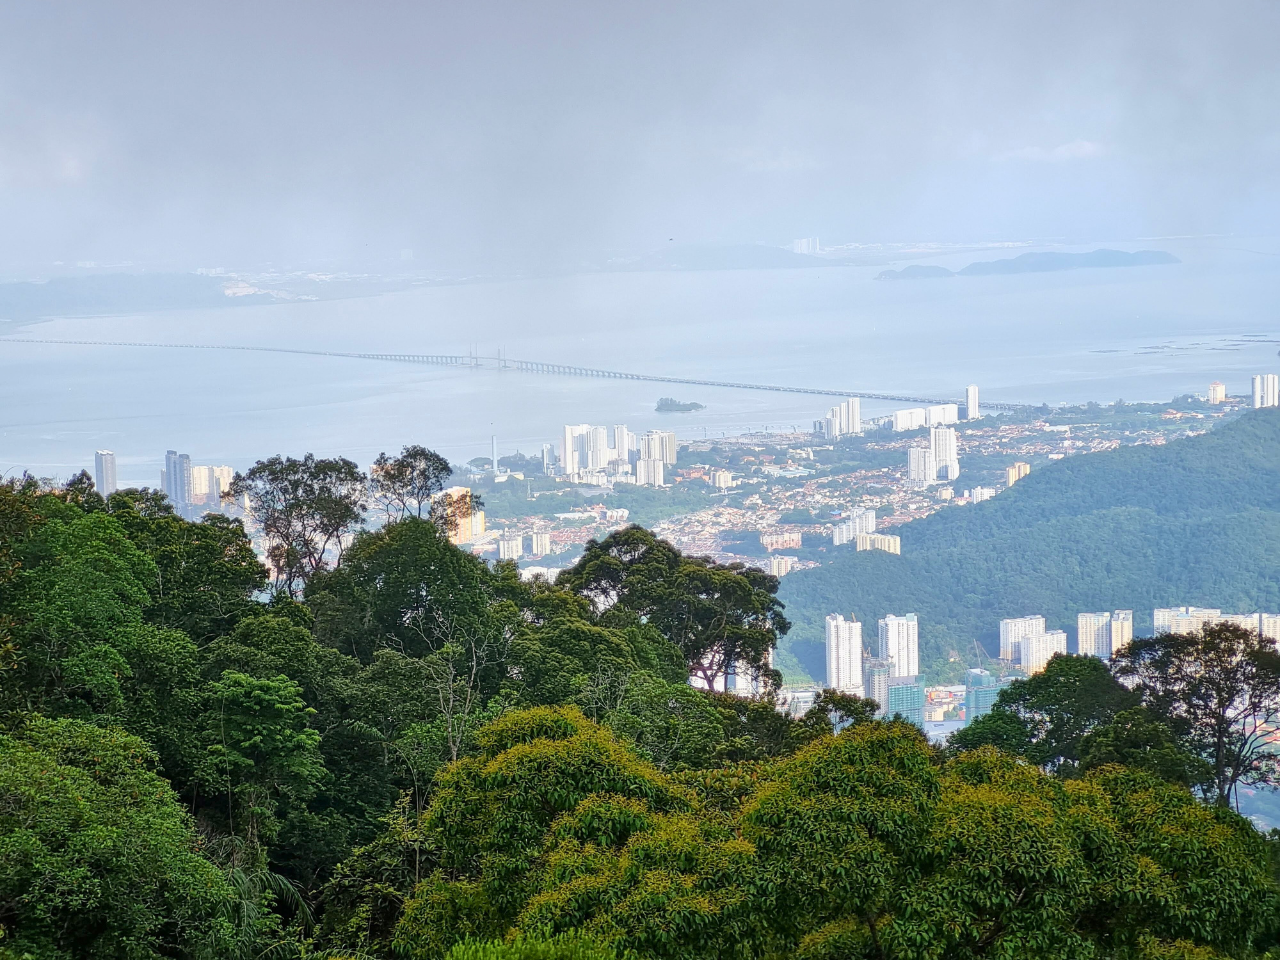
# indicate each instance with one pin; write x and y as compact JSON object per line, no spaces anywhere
{"x":942,"y":444}
{"x":844,"y":419}
{"x":971,"y":402}
{"x":1012,"y":633}
{"x":844,"y":654}
{"x":922,"y":469}
{"x":1266,"y":390}
{"x":658,"y":445}
{"x":1039,"y":648}
{"x":104,"y":472}
{"x":1103,"y":635}
{"x":900,"y":644}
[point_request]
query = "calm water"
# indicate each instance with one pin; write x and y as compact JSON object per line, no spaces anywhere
{"x":1137,"y":333}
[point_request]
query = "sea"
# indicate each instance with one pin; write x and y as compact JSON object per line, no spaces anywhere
{"x":1134,"y":333}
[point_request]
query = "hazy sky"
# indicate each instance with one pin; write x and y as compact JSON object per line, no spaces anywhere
{"x":542,"y":134}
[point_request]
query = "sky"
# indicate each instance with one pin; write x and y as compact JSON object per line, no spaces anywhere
{"x":539,"y":135}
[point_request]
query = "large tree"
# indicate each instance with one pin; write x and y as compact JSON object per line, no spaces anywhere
{"x":724,"y":618}
{"x":1219,"y":690}
{"x":306,"y":509}
{"x":406,"y":485}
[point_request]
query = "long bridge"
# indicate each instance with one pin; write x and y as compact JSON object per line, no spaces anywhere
{"x":522,"y":366}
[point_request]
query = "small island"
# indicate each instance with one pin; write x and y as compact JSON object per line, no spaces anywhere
{"x":670,"y":405}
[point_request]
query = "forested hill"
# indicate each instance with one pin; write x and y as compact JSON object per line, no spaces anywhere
{"x":1196,"y":521}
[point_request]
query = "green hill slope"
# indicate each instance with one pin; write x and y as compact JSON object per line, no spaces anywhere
{"x":1196,"y":521}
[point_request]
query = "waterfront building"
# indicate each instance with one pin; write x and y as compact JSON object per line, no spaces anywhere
{"x":658,"y":445}
{"x":104,"y":472}
{"x":1217,"y":392}
{"x":842,"y":420}
{"x":941,"y":413}
{"x":910,"y":419}
{"x":1013,"y":631}
{"x":844,"y":654}
{"x":175,"y":480}
{"x":899,"y":643}
{"x":971,"y":402}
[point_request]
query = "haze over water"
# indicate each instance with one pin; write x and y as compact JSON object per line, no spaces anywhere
{"x":1145,"y":333}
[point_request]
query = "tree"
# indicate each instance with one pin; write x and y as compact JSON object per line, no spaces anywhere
{"x":1219,"y":691}
{"x":407,"y":485}
{"x":98,"y":858}
{"x":306,"y":509}
{"x":1059,"y":705}
{"x":1135,"y":739}
{"x":260,"y":750}
{"x":722,"y":617}
{"x":843,"y":709}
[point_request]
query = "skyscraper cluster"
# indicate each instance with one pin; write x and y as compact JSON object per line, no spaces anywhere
{"x":891,"y":677}
{"x":193,"y":489}
{"x":842,"y":420}
{"x":859,"y":521}
{"x":602,"y":457}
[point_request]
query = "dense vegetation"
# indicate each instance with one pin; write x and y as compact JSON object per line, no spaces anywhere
{"x":1191,"y":522}
{"x":397,"y":750}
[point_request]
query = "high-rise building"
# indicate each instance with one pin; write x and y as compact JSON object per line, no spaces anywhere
{"x":842,"y":420}
{"x":981,"y":688}
{"x":209,"y":483}
{"x":910,"y":419}
{"x":905,"y":698}
{"x":1184,"y":620}
{"x":649,"y":472}
{"x":1013,"y":631}
{"x":971,"y":402}
{"x":900,"y":644}
{"x":978,"y":494}
{"x":878,"y":541}
{"x":808,"y":246}
{"x":1217,"y":392}
{"x":780,"y":566}
{"x":104,"y":472}
{"x":510,"y":548}
{"x":1093,"y":635}
{"x":549,"y":459}
{"x":1038,"y":648}
{"x":941,"y":413}
{"x":624,"y":441}
{"x":466,"y":525}
{"x":176,"y":480}
{"x":922,"y":469}
{"x":1016,"y":472}
{"x":540,"y":544}
{"x":1121,"y":630}
{"x":1266,"y":390}
{"x":844,"y":655}
{"x":720,"y":479}
{"x":942,"y":444}
{"x":876,"y":674}
{"x":859,"y":521}
{"x":787,"y":540}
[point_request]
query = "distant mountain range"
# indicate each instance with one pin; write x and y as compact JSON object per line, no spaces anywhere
{"x":1035,"y":263}
{"x":1195,"y":521}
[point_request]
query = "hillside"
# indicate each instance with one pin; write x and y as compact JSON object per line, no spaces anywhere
{"x":1196,"y":521}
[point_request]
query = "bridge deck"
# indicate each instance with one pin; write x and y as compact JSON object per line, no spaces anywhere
{"x":522,"y":366}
